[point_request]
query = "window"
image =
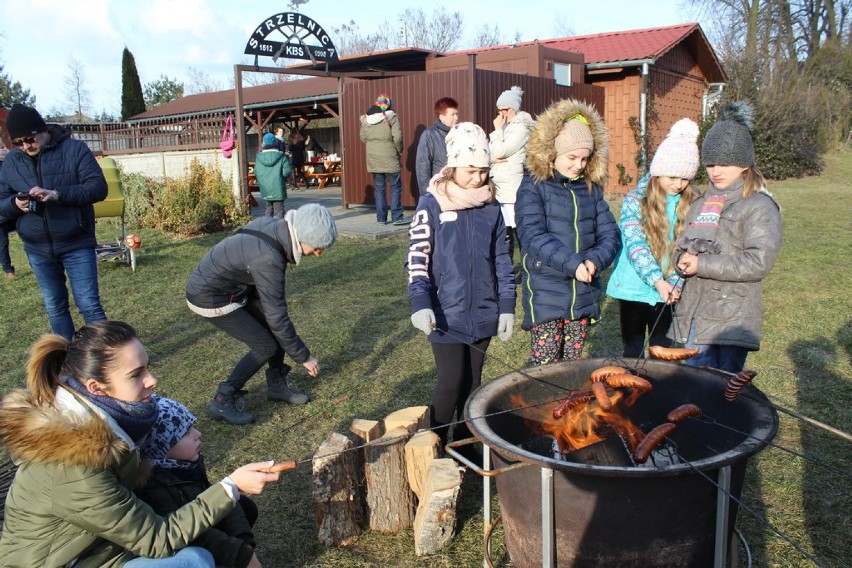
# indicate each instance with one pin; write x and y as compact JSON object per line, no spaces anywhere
{"x":562,"y":74}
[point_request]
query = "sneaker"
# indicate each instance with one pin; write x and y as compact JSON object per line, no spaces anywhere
{"x":224,"y":408}
{"x":403,"y":221}
{"x":280,"y":388}
{"x":381,"y":222}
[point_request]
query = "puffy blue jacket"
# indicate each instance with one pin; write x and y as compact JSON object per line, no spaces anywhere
{"x":458,"y":265}
{"x":65,"y":165}
{"x":561,"y":224}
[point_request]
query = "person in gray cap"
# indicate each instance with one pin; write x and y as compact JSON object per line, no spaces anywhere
{"x":239,"y":286}
{"x":731,"y":241}
{"x":48,"y":186}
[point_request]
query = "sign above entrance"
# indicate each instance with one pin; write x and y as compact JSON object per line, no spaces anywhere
{"x":292,"y":36}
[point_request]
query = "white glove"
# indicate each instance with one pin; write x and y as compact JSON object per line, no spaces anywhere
{"x":505,"y":326}
{"x":424,"y":320}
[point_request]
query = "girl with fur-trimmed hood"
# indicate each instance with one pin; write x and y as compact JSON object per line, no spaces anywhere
{"x":566,"y":231}
{"x":74,"y":434}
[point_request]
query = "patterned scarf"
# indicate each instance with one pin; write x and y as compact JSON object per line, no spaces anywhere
{"x":135,"y":418}
{"x":703,"y":228}
{"x":451,"y":197}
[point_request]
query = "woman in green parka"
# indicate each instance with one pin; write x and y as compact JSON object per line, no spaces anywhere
{"x":74,"y":434}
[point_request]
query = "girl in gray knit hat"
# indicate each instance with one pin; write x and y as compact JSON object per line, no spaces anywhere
{"x":732,"y":239}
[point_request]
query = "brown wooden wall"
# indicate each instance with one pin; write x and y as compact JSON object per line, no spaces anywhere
{"x":414,"y":97}
{"x":622,"y":102}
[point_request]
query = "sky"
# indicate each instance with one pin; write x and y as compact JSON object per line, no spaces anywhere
{"x":38,"y":38}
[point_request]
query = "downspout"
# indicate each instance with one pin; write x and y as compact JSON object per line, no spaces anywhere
{"x":643,"y":120}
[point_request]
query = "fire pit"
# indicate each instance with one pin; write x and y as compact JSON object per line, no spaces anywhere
{"x":609,"y":511}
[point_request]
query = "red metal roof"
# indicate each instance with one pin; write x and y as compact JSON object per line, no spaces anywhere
{"x":629,"y":45}
{"x":319,"y":88}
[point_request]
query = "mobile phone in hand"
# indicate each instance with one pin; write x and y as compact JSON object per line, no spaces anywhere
{"x":21,"y":195}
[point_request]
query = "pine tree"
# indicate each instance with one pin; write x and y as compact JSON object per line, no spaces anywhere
{"x":132,"y":100}
{"x":12,"y":92}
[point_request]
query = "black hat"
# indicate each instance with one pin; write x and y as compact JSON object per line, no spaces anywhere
{"x":24,"y":121}
{"x":374,"y":110}
{"x":729,"y":142}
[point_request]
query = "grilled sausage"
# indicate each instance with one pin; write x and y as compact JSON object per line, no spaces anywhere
{"x":683,"y":412}
{"x":737,"y":382}
{"x":672,"y":353}
{"x":602,"y":397}
{"x":629,"y":382}
{"x":574,"y":400}
{"x":654,"y":438}
{"x":602,"y":373}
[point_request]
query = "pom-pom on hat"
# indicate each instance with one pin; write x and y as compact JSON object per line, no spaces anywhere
{"x":173,"y":422}
{"x":677,"y":155}
{"x":314,"y":226}
{"x":511,"y":98}
{"x":268,"y":140}
{"x":24,"y":121}
{"x":729,"y":142}
{"x":467,"y":146}
{"x":384,"y":102}
{"x":575,"y":134}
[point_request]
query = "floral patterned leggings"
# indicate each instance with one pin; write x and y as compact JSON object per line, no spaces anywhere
{"x":553,"y":341}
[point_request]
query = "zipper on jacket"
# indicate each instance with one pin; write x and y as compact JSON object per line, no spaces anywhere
{"x":576,"y":250}
{"x":44,"y":217}
{"x":529,"y":287}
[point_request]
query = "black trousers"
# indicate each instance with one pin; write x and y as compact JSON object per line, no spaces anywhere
{"x":459,"y":369}
{"x":638,"y":319}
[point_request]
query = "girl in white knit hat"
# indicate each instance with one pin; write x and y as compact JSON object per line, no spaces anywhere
{"x":652,"y":218}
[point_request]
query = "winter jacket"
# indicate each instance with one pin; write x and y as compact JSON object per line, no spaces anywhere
{"x":510,"y":142}
{"x":231,"y":541}
{"x":272,"y":168}
{"x":723,"y":300}
{"x":244,"y":263}
{"x":562,"y":223}
{"x":383,"y":136}
{"x":431,"y":154}
{"x":72,"y":498}
{"x":459,"y":266}
{"x":65,"y":165}
{"x":636,"y":270}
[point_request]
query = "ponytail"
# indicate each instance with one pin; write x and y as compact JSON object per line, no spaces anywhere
{"x":47,"y":357}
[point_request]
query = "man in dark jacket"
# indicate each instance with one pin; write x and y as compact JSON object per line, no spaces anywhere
{"x":48,"y":186}
{"x":239,"y":287}
{"x":432,"y":148}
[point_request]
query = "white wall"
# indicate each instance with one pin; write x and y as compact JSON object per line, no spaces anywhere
{"x":173,"y":164}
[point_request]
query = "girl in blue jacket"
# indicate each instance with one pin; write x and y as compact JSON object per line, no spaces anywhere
{"x":460,"y":279}
{"x":565,"y":228}
{"x":652,"y":218}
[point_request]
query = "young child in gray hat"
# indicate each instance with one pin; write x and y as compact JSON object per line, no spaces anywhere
{"x":731,"y":242}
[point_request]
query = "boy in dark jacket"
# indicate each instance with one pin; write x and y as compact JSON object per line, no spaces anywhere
{"x":173,"y":446}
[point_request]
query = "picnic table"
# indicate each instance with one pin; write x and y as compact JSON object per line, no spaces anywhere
{"x":331,"y":170}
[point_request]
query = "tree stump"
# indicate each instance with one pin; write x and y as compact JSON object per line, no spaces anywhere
{"x":390,"y":501}
{"x":412,"y":419}
{"x":336,"y":491}
{"x":435,"y":522}
{"x":420,"y":450}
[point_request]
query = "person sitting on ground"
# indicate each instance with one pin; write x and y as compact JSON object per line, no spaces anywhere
{"x":432,"y":147}
{"x":74,"y":433}
{"x":179,"y":477}
{"x":239,"y":287}
{"x":271,"y":169}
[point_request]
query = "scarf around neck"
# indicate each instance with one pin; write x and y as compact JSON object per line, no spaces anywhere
{"x":451,"y":197}
{"x":700,"y":235}
{"x":135,"y":418}
{"x":290,"y":217}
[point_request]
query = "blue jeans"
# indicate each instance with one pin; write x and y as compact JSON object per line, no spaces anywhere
{"x":189,"y":557}
{"x":730,"y":358}
{"x":81,"y":266}
{"x":395,"y":181}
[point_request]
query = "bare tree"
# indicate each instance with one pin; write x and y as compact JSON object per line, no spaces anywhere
{"x":486,"y":36}
{"x":198,"y":81}
{"x":296,"y":4}
{"x":441,"y":31}
{"x":561,"y":26}
{"x":349,"y":39}
{"x":79,"y":99}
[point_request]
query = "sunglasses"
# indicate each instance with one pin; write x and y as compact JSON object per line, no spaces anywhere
{"x":22,"y":141}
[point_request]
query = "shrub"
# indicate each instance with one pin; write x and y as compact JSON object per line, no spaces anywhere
{"x":138,"y":197}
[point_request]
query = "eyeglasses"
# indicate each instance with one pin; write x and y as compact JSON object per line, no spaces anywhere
{"x":22,"y":141}
{"x":503,"y":110}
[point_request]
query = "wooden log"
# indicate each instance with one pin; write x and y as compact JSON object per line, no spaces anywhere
{"x":412,"y":419}
{"x":390,"y":501}
{"x":366,"y":430}
{"x":336,"y":491}
{"x":435,"y":522}
{"x":420,"y":450}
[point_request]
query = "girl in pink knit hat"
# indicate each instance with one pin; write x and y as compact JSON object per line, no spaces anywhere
{"x":644,"y":279}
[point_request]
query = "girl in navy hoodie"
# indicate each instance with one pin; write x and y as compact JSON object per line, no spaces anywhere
{"x":460,"y":279}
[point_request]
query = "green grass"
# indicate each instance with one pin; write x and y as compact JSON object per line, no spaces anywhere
{"x":351,"y":308}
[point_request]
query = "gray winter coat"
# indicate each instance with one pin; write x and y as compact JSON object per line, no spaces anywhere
{"x":383,"y":137}
{"x":724,"y":298}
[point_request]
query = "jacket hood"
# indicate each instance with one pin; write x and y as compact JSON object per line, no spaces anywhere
{"x":523,"y":117}
{"x":377,"y":118}
{"x":269,"y":157}
{"x":66,"y":433}
{"x":542,"y":148}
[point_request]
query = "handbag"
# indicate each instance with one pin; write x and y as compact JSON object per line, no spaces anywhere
{"x":228,"y":143}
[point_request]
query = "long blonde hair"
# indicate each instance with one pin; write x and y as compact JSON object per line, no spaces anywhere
{"x":754,"y":181}
{"x":655,"y":223}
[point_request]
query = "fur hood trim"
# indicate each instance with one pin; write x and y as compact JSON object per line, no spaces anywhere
{"x":68,"y":432}
{"x":542,"y":148}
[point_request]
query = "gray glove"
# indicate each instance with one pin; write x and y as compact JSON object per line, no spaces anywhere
{"x":505,"y":326}
{"x":424,"y":320}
